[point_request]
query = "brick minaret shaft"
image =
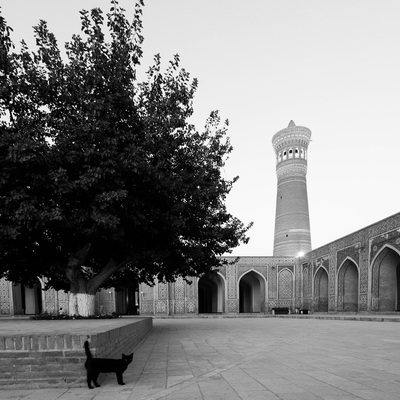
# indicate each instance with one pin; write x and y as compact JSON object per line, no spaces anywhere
{"x":292,"y":221}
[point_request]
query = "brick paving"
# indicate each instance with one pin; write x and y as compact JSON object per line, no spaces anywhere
{"x":254,"y":358}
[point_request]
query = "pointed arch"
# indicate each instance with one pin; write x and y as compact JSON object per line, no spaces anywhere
{"x":321,"y":289}
{"x":211,"y":293}
{"x":252,"y":292}
{"x":385,"y":291}
{"x":348,"y":284}
{"x":386,"y":246}
{"x":256,"y":272}
{"x":318,"y":270}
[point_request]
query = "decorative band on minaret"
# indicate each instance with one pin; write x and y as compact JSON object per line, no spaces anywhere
{"x":292,"y":221}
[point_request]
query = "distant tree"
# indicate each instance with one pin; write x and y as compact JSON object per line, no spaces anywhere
{"x":102,"y":178}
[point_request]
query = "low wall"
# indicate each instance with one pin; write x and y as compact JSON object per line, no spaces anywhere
{"x":40,"y":359}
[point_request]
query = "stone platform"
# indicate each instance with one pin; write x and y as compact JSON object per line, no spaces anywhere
{"x":49,"y":353}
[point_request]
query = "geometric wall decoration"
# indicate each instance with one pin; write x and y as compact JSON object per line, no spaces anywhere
{"x":5,"y":297}
{"x":285,"y":284}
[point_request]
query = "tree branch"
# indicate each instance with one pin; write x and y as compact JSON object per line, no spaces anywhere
{"x":110,"y":268}
{"x":73,"y":268}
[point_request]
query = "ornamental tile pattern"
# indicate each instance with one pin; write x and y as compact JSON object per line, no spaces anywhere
{"x":340,"y":304}
{"x":272,"y":304}
{"x":375,"y":286}
{"x":179,"y":289}
{"x":147,"y":307}
{"x":321,"y":261}
{"x":162,"y":291}
{"x":5,"y":297}
{"x":242,"y":269}
{"x":191,"y":306}
{"x":285,"y":284}
{"x":391,"y":238}
{"x":332,"y":274}
{"x":147,"y":299}
{"x":352,"y":252}
{"x":363,"y":302}
{"x":289,"y":267}
{"x":232,"y":306}
{"x":231,"y":278}
{"x":261,"y":270}
{"x":285,"y":303}
{"x":364,"y":269}
{"x":297,"y":281}
{"x":50,"y":302}
{"x":63,"y":300}
{"x":331,"y":303}
{"x":332,"y":277}
{"x":307,"y":281}
{"x":171,"y":297}
{"x":161,"y":307}
{"x":179,"y":306}
{"x":272,"y":282}
{"x":191,"y":284}
{"x":222,"y":270}
{"x":191,"y":295}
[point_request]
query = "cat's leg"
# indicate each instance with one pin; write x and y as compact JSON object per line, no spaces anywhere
{"x":88,"y":381}
{"x":119,"y":378}
{"x":96,"y":375}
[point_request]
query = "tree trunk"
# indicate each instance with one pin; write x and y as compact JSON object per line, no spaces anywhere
{"x":83,"y":291}
{"x":82,"y":304}
{"x":86,"y":304}
{"x":72,"y":304}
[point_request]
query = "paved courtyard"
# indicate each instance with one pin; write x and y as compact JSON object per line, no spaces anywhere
{"x":253,"y":358}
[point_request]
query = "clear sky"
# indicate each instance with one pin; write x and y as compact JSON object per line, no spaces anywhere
{"x":332,"y":66}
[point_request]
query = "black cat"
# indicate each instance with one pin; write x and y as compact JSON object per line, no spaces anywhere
{"x":96,"y":365}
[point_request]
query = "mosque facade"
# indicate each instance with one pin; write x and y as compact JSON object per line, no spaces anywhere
{"x":359,"y":272}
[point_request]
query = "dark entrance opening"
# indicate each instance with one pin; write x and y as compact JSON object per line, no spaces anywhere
{"x":321,"y":290}
{"x":27,"y":299}
{"x":211,"y":294}
{"x":251,"y":293}
{"x":127,"y":299}
{"x":389,"y":281}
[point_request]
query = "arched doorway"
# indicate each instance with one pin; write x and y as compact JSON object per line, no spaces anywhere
{"x":27,"y":299}
{"x":127,"y":299}
{"x":321,"y":290}
{"x":251,"y":293}
{"x":348,"y":286}
{"x":211,"y":289}
{"x":386,"y":281}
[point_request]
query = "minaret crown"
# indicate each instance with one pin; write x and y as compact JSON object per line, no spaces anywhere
{"x":291,"y":143}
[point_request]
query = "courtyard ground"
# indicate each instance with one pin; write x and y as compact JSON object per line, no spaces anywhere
{"x":254,"y":358}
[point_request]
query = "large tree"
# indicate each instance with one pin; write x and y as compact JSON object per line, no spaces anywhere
{"x":102,"y":177}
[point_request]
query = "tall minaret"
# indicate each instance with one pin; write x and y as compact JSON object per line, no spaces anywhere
{"x":292,"y":221}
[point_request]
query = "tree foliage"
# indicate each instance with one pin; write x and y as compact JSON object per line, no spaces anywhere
{"x":102,"y":177}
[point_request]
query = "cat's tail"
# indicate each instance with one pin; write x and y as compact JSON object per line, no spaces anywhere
{"x":87,"y":350}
